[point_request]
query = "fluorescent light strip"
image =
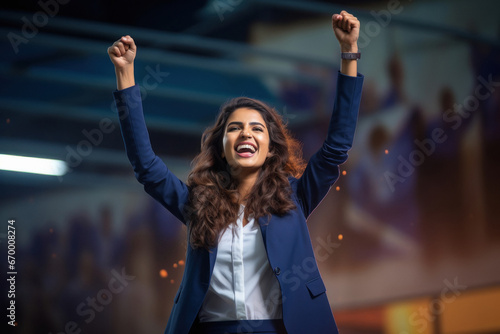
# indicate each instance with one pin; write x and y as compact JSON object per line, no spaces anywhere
{"x":42,"y":166}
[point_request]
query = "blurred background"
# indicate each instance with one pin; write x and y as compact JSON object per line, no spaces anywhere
{"x":407,"y":240}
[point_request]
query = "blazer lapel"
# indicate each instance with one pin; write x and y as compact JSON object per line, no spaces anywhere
{"x":212,"y":257}
{"x":263,"y":229}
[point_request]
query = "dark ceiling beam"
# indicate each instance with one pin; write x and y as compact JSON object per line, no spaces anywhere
{"x":164,"y":39}
{"x":98,"y":82}
{"x":398,"y":20}
{"x":93,"y":115}
{"x":93,"y":82}
{"x":88,"y":46}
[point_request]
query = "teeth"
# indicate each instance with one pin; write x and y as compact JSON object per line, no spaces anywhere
{"x":245,"y":146}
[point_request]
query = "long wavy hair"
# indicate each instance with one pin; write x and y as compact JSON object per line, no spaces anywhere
{"x":214,"y":198}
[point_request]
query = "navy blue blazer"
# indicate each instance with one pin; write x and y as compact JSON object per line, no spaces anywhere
{"x":286,"y":238}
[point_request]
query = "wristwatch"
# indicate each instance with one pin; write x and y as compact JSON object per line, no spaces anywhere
{"x":350,"y":55}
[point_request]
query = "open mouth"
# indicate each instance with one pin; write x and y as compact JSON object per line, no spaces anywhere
{"x":246,"y":150}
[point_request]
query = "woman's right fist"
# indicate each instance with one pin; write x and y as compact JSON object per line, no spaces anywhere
{"x":122,"y":52}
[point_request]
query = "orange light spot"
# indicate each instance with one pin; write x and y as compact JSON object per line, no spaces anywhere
{"x":7,"y":120}
{"x":340,"y":236}
{"x":344,"y":172}
{"x":181,"y":262}
{"x":163,"y":273}
{"x":51,"y":230}
{"x":54,"y":255}
{"x":338,"y":188}
{"x":386,"y":151}
{"x":172,"y":281}
{"x":175,"y":265}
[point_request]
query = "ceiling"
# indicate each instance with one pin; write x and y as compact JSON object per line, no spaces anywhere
{"x":57,"y":79}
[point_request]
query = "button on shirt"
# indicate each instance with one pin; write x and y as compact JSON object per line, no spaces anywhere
{"x":243,"y":285}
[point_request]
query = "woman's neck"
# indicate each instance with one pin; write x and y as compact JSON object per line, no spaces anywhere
{"x":245,"y":184}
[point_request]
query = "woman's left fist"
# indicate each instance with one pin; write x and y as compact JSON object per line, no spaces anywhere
{"x":346,"y":28}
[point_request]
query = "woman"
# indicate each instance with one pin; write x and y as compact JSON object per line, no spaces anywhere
{"x":250,"y":266}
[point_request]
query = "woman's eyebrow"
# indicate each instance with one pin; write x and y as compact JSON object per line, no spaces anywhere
{"x":251,"y":123}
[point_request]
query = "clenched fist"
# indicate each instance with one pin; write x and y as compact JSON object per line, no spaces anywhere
{"x":122,"y":52}
{"x":346,"y":28}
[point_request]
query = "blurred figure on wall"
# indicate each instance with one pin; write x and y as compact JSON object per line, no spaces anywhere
{"x":396,"y":93}
{"x":80,"y":295}
{"x":110,"y":244}
{"x":485,"y":61}
{"x":140,"y":292}
{"x":440,"y":187}
{"x":383,"y":203}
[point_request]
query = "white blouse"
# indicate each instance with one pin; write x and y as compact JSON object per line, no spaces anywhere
{"x":243,"y":285}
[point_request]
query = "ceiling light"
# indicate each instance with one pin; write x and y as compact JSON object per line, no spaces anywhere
{"x":22,"y":164}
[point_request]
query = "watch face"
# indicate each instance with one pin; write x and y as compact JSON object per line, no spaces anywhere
{"x":350,"y":55}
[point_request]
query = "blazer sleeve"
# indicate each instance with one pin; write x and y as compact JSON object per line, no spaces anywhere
{"x":323,"y":168}
{"x":158,"y":180}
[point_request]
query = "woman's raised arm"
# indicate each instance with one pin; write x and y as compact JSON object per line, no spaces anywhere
{"x":149,"y":169}
{"x":323,"y":168}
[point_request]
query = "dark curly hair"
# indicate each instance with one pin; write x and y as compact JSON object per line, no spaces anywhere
{"x":214,"y":198}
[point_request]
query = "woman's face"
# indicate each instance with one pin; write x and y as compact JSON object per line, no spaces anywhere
{"x":246,"y":140}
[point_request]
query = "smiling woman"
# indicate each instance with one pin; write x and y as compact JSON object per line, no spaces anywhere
{"x":250,"y":143}
{"x":245,"y":205}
